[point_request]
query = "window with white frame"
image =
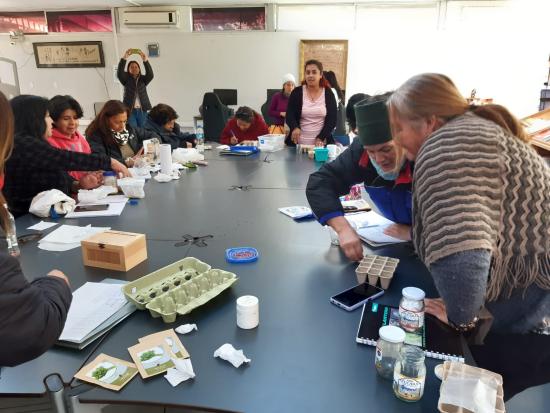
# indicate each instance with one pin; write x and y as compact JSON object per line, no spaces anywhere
{"x":315,"y":17}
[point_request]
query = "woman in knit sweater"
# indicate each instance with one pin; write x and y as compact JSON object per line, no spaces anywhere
{"x":481,"y":224}
{"x":279,"y":102}
{"x":311,"y":111}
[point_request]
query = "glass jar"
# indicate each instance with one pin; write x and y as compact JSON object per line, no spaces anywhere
{"x":109,"y":179}
{"x":388,"y":347}
{"x":409,"y":374}
{"x":411,"y":309}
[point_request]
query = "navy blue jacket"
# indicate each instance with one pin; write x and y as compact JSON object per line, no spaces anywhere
{"x":353,"y":166}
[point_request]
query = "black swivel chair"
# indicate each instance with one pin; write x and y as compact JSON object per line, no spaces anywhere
{"x":265,"y":107}
{"x":340,"y":120}
{"x":215,"y":115}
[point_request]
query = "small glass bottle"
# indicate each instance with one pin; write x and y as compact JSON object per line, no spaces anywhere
{"x":388,"y":347}
{"x":11,"y":235}
{"x":409,"y":374}
{"x":200,"y":139}
{"x":411,"y":309}
{"x":109,"y":179}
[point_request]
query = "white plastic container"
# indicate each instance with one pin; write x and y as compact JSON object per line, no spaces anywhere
{"x":271,"y":142}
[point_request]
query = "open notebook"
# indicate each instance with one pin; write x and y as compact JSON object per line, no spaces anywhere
{"x":437,"y":339}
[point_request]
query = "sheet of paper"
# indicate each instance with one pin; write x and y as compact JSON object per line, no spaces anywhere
{"x":367,"y":219}
{"x":376,"y":234}
{"x":114,"y":210}
{"x":42,"y":225}
{"x":92,"y":304}
{"x":57,"y":247}
{"x":70,"y":234}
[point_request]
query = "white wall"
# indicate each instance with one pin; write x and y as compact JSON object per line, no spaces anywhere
{"x":503,"y":55}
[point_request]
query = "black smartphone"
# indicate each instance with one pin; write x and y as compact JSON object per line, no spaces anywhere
{"x":354,"y":297}
{"x":91,"y":208}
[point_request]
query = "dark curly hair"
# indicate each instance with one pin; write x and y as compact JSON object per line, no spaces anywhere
{"x":162,"y":114}
{"x":29,"y":112}
{"x":245,"y":114}
{"x":60,"y":103}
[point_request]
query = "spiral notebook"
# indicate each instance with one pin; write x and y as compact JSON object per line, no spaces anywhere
{"x":438,"y":340}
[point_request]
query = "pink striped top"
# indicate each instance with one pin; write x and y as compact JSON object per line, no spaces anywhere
{"x":313,"y":118}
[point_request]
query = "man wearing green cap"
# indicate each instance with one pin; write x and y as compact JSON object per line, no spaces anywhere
{"x":371,"y":159}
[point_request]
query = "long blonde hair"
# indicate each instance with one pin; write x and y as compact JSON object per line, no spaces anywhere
{"x":434,"y":94}
{"x":6,"y":146}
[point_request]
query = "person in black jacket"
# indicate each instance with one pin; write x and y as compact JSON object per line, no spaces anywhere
{"x":35,"y":166}
{"x":374,"y":160}
{"x":110,"y":134}
{"x":311,"y":112}
{"x":162,"y":121}
{"x":32,"y":315}
{"x":135,"y":86}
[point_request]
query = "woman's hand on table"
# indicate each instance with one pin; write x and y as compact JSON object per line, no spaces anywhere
{"x":295,"y":135}
{"x":437,"y":308}
{"x":120,"y":169}
{"x":399,"y":231}
{"x":91,"y":180}
{"x":319,"y":142}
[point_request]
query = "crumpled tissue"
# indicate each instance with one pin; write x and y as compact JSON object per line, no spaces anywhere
{"x":160,"y":177}
{"x":42,"y":203}
{"x":229,"y":353}
{"x":186,"y":328}
{"x":89,"y":196}
{"x":183,"y":155}
{"x":182,"y":372}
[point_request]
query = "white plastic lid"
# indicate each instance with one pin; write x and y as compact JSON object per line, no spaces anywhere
{"x":247,"y":301}
{"x":413,"y":293}
{"x":393,"y":334}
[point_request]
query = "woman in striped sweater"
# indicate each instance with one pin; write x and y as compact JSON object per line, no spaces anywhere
{"x":481,"y":224}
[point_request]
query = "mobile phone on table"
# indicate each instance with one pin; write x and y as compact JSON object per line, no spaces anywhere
{"x":354,"y":297}
{"x":91,"y":208}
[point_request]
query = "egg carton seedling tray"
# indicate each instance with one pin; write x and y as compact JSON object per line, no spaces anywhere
{"x":191,"y":294}
{"x":375,"y":267}
{"x":163,"y":280}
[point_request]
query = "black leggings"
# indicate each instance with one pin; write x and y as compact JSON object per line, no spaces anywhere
{"x":523,"y":360}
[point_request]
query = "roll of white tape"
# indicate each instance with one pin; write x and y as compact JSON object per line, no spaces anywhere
{"x":248,"y":312}
{"x":166,"y":159}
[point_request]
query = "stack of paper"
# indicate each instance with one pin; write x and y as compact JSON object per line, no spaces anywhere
{"x":67,"y":237}
{"x":95,"y":309}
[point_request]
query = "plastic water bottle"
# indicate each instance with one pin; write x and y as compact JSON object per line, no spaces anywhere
{"x":11,"y":235}
{"x":200,"y":139}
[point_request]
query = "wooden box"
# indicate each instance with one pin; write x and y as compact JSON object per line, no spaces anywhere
{"x":114,"y":250}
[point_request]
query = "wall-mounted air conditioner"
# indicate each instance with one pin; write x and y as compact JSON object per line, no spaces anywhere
{"x":150,"y":18}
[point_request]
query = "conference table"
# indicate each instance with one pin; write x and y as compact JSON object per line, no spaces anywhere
{"x":303,"y":353}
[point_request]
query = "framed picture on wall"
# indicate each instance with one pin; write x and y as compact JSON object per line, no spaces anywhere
{"x":69,"y":54}
{"x":333,"y":54}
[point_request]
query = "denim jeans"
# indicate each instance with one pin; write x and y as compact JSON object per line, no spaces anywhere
{"x":137,"y":118}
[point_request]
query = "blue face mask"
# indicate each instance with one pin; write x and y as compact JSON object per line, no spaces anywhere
{"x":390,"y":175}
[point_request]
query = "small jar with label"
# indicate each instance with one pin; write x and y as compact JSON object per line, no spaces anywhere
{"x":409,"y":374}
{"x":411,"y":309}
{"x":109,"y":179}
{"x":388,"y":347}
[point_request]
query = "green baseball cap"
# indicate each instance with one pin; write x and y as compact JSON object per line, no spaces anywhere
{"x":373,"y":122}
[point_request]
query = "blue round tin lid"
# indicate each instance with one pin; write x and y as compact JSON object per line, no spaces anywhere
{"x":241,"y":255}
